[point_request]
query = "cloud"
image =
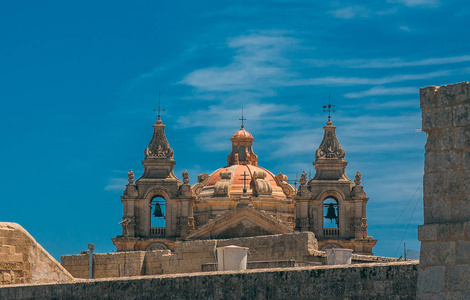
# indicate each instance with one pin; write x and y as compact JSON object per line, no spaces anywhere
{"x":350,"y":12}
{"x":382,"y":91}
{"x":412,"y":3}
{"x":116,"y":184}
{"x":257,"y":65}
{"x":387,"y":62}
{"x":404,"y":28}
{"x":224,"y":120}
{"x":332,"y":80}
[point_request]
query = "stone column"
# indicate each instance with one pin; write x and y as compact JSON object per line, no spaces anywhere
{"x":444,"y":270}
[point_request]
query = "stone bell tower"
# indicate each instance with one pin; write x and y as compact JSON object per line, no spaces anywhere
{"x":330,"y":204}
{"x":157,"y":193}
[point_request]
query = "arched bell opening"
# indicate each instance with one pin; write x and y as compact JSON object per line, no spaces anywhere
{"x":330,"y":214}
{"x":157,"y":216}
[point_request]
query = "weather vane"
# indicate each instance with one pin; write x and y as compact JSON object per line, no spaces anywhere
{"x":329,"y":107}
{"x":159,"y":107}
{"x":242,"y":119}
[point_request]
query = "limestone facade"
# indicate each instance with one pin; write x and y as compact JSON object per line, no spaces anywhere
{"x":242,"y":199}
{"x":444,"y":270}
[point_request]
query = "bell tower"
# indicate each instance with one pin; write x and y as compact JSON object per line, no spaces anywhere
{"x":158,"y":206}
{"x":330,"y":204}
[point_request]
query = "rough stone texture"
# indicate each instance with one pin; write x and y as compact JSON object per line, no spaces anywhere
{"x":23,"y":260}
{"x":371,"y":281}
{"x":294,"y":249}
{"x":444,"y":270}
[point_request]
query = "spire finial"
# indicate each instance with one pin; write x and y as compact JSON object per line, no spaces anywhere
{"x":329,"y":108}
{"x":242,"y":119}
{"x":159,"y":108}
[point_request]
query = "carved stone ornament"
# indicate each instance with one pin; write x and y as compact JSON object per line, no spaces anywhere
{"x":222,"y":187}
{"x":303,"y":178}
{"x":130,"y":177}
{"x":287,"y":189}
{"x":357,"y":179}
{"x":329,"y":147}
{"x":159,"y":146}
{"x":262,"y":187}
{"x":185,"y":177}
{"x":156,"y":246}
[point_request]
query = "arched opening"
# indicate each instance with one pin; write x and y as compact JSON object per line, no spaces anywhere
{"x":157,"y":216}
{"x":330,"y":213}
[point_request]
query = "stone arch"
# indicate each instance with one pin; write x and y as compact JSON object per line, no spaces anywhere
{"x":157,"y":191}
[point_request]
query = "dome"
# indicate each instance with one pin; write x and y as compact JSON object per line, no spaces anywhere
{"x":242,"y":133}
{"x":234,"y":177}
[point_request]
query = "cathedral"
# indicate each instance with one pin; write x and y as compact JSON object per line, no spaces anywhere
{"x":243,"y":199}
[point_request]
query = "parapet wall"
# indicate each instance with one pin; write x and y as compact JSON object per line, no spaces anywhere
{"x":23,"y":260}
{"x":366,"y":281}
{"x":191,"y":256}
{"x":445,"y":235}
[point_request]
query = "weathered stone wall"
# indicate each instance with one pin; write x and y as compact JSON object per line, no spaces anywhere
{"x":368,"y":281}
{"x":23,"y":260}
{"x":445,"y":235}
{"x":191,"y":256}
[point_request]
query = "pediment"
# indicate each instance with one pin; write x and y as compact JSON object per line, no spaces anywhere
{"x":241,"y":222}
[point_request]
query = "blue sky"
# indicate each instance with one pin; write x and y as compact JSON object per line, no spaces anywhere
{"x":80,"y":80}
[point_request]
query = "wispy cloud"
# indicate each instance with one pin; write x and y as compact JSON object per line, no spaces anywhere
{"x":381,"y":91}
{"x":116,"y":185}
{"x":387,"y":62}
{"x":331,"y":80}
{"x":411,"y":3}
{"x":257,"y":65}
{"x":350,"y":12}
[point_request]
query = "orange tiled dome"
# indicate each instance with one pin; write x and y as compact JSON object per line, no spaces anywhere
{"x":236,"y":181}
{"x":242,"y":133}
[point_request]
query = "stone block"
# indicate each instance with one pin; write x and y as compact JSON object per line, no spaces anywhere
{"x":458,"y":277}
{"x":462,"y":137}
{"x":427,"y":96}
{"x":441,"y":161}
{"x":452,"y":184}
{"x":437,"y":253}
{"x":431,"y":279}
{"x":435,"y":118}
{"x":447,"y":139}
{"x":432,"y":185}
{"x":452,"y":94}
{"x":437,"y":211}
{"x":427,"y":232}
{"x":461,"y":115}
{"x":463,"y":251}
{"x":461,"y":208}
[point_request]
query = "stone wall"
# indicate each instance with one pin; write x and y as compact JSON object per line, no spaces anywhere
{"x":445,"y":235}
{"x":23,"y":260}
{"x":367,"y":281}
{"x":191,"y":256}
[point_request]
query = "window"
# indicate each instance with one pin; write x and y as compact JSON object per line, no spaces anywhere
{"x":158,"y":212}
{"x":330,"y":213}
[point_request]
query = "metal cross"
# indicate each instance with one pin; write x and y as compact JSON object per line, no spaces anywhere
{"x":159,"y":107}
{"x":328,"y":107}
{"x":242,"y":119}
{"x":244,"y":181}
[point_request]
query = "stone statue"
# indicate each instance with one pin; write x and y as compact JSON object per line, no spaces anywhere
{"x":357,"y":179}
{"x":130,"y":177}
{"x":185,"y":177}
{"x":303,"y":178}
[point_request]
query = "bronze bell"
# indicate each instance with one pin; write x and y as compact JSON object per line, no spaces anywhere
{"x":331,"y":213}
{"x":158,"y":211}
